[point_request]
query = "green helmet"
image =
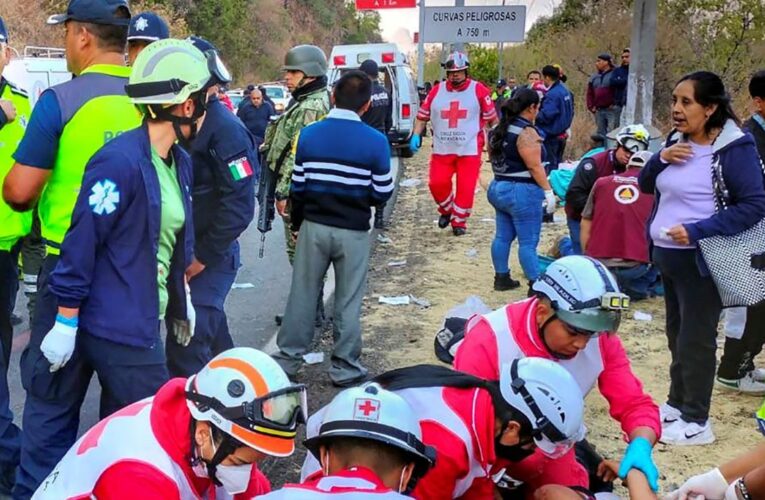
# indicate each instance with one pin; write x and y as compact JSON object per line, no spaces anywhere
{"x":168,"y":72}
{"x":309,"y":59}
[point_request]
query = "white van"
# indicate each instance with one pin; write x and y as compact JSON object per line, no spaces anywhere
{"x":395,"y":75}
{"x":38,"y":69}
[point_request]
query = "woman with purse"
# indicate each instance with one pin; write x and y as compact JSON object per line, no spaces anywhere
{"x":707,"y":138}
{"x":519,"y":187}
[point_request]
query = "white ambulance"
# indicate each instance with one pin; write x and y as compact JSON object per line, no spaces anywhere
{"x":395,"y":75}
{"x":38,"y":69}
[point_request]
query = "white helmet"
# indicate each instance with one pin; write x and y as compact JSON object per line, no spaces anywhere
{"x":583,"y":293}
{"x":633,"y":138}
{"x":371,"y":412}
{"x":247,"y":395}
{"x":457,"y":61}
{"x":549,"y":397}
{"x":639,"y":159}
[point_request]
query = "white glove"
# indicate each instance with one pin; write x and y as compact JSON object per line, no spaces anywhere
{"x":183,"y":329}
{"x":551,"y":202}
{"x":711,"y":486}
{"x":58,"y":345}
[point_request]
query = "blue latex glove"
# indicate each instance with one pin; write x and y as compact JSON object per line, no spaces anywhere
{"x":415,"y":142}
{"x":638,"y":456}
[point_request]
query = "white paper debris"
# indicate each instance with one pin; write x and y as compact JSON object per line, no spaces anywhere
{"x":384,"y":239}
{"x":471,"y":253}
{"x":488,"y":220}
{"x":399,"y":300}
{"x":410,"y":183}
{"x":397,"y":263}
{"x":642,"y":316}
{"x":242,"y":286}
{"x":313,"y":358}
{"x":424,"y":303}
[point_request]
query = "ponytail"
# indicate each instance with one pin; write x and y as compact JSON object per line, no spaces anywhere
{"x":521,"y":100}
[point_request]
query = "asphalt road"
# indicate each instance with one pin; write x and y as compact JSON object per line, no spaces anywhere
{"x":250,"y":310}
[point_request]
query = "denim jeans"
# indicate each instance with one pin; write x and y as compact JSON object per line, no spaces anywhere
{"x":575,"y":232}
{"x":607,"y":119}
{"x":635,"y":281}
{"x":519,"y":215}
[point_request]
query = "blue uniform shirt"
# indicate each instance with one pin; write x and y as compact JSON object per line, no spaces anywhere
{"x":226,"y":169}
{"x":39,"y":146}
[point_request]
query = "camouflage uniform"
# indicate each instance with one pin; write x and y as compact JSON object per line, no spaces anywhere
{"x":281,"y":135}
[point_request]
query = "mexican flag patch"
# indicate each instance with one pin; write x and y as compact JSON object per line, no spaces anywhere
{"x":240,"y":168}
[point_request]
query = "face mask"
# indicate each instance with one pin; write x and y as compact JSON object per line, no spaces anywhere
{"x":234,"y":478}
{"x":513,"y":453}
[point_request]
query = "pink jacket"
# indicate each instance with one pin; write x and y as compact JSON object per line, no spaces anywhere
{"x":628,"y":402}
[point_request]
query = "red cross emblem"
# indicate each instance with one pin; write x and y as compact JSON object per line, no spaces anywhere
{"x":454,"y":114}
{"x":367,"y":409}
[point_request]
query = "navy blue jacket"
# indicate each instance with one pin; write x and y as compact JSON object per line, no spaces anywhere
{"x":255,"y":119}
{"x":743,"y":177}
{"x":224,"y":202}
{"x":108,"y":263}
{"x":619,"y":79}
{"x":557,"y":111}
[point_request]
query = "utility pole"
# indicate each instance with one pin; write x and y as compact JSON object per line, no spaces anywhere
{"x":639,"y":107}
{"x":421,"y":47}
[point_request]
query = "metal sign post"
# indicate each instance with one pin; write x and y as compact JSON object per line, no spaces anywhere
{"x":421,"y":47}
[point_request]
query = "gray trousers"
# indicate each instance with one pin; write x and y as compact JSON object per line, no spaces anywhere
{"x":607,"y":119}
{"x":318,"y":246}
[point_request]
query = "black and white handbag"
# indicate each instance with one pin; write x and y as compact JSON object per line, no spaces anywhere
{"x":736,"y":262}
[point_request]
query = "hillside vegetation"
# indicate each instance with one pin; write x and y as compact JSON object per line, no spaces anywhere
{"x":252,"y":35}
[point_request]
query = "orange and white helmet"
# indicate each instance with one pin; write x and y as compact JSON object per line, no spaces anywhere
{"x":245,"y":393}
{"x":457,"y":61}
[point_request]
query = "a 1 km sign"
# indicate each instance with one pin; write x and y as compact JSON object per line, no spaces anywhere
{"x":385,"y":4}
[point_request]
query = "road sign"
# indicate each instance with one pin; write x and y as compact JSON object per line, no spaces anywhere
{"x":385,"y":4}
{"x":475,"y":24}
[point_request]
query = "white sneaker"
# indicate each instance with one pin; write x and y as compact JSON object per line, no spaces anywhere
{"x":758,"y":374}
{"x":747,"y":384}
{"x":669,"y":414}
{"x":682,"y":433}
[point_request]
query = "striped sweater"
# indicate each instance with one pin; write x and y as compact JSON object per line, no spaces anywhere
{"x":342,"y":169}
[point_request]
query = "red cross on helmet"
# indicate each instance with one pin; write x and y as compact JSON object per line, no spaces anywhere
{"x":457,"y":61}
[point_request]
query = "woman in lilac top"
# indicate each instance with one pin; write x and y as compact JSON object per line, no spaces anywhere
{"x":680,"y":176}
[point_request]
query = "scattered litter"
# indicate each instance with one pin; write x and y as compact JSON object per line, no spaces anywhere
{"x":424,"y":303}
{"x":399,"y":300}
{"x":384,"y":239}
{"x":471,"y":253}
{"x":313,"y":358}
{"x":472,"y":305}
{"x":488,"y":220}
{"x":410,"y":183}
{"x":397,"y":263}
{"x":642,"y":316}
{"x":242,"y":286}
{"x":559,"y":219}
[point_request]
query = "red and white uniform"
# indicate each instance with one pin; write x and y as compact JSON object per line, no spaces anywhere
{"x":512,"y":333}
{"x":459,"y":424}
{"x":142,"y":451}
{"x":458,"y":118}
{"x":355,"y":483}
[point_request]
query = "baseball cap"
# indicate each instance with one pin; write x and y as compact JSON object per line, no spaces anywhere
{"x":370,"y":68}
{"x":501,"y":82}
{"x":605,"y":56}
{"x":3,"y":32}
{"x":148,"y":26}
{"x":94,"y":11}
